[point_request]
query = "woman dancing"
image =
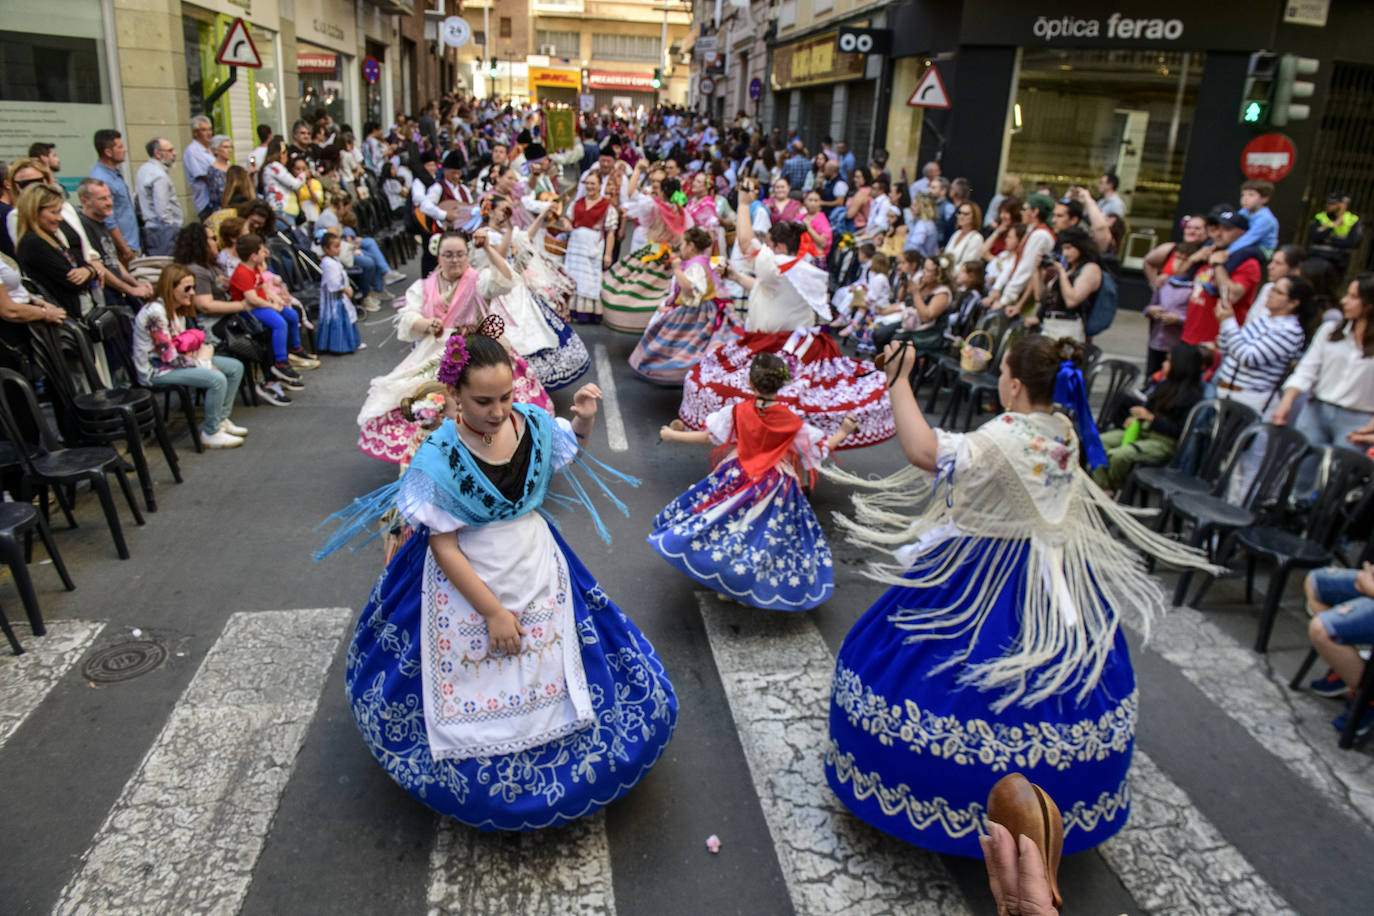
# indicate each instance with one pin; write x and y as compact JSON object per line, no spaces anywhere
{"x":1000,"y":645}
{"x":457,"y":295}
{"x":489,"y":673}
{"x":591,"y":248}
{"x":634,"y":287}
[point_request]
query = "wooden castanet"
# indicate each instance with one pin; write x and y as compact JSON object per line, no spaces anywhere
{"x":1024,"y":808}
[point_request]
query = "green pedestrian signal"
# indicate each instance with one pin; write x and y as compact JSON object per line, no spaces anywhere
{"x":1254,"y":113}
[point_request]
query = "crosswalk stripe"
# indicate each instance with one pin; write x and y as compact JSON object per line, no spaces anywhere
{"x":1300,"y":736}
{"x":610,"y":401}
{"x":776,"y":670}
{"x":564,"y":871}
{"x":26,"y":680}
{"x":1171,"y":859}
{"x":189,"y":826}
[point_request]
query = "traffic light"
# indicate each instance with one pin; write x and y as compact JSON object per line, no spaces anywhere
{"x":491,"y":70}
{"x":1287,"y":87}
{"x":658,"y":77}
{"x":1257,"y":100}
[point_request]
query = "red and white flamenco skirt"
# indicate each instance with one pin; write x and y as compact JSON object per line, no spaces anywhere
{"x":826,"y":385}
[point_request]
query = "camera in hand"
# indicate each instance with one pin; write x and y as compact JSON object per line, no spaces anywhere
{"x":1047,"y":260}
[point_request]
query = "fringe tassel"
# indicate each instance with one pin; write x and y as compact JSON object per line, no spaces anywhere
{"x":357,"y":518}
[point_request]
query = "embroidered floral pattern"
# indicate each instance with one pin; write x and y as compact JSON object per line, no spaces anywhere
{"x":937,"y":813}
{"x":978,"y":742}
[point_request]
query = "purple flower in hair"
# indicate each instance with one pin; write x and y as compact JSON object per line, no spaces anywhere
{"x":454,"y":359}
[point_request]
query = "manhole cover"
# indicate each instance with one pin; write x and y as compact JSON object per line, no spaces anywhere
{"x":124,"y":661}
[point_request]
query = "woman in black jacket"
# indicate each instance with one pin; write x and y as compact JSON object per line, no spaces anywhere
{"x":49,"y":251}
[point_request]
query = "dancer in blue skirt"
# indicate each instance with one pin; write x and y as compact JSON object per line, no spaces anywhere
{"x":747,"y":531}
{"x":490,"y":675}
{"x":1000,"y":647}
{"x":338,"y":326}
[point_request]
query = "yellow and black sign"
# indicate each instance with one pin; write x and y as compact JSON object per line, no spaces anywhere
{"x":815,"y":60}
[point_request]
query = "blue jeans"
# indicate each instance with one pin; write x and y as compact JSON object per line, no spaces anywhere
{"x":1324,"y":424}
{"x":220,"y":384}
{"x":372,"y":273}
{"x":285,"y":327}
{"x":157,"y":238}
{"x":369,"y":248}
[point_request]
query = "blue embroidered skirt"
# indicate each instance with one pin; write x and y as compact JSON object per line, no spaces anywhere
{"x":760,"y":545}
{"x":914,"y":753}
{"x":560,"y":366}
{"x":636,"y":711}
{"x":335,"y":332}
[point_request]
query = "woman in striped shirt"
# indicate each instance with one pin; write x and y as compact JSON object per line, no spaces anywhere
{"x":1256,"y":357}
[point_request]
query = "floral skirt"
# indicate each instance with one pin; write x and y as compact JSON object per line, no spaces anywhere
{"x":544,"y":786}
{"x":825,"y":386}
{"x":759,"y":543}
{"x":560,"y":366}
{"x":915,"y":753}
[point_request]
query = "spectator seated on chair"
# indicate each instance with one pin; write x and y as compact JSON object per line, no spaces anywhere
{"x":1157,"y":423}
{"x":1341,"y":602}
{"x":271,"y":308}
{"x":166,"y":352}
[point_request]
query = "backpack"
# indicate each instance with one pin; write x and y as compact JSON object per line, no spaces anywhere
{"x":1103,"y":311}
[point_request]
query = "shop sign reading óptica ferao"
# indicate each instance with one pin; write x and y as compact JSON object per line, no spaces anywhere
{"x":1114,"y":26}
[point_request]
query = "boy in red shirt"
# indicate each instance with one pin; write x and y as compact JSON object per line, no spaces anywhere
{"x":283,"y":321}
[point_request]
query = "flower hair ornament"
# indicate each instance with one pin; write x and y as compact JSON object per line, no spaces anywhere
{"x":434,"y":241}
{"x":678,"y":198}
{"x":455,"y":357}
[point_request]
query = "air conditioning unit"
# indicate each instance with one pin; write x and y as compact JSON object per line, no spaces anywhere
{"x":549,"y":50}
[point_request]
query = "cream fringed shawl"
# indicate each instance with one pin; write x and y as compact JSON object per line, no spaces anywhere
{"x":1014,"y":485}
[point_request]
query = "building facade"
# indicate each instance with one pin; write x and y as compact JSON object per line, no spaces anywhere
{"x":561,"y":50}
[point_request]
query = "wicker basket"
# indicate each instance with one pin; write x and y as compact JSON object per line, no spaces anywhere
{"x":972,"y":358}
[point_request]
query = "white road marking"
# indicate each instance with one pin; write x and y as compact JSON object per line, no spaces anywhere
{"x":188,"y":828}
{"x":776,"y":670}
{"x":26,"y":680}
{"x":564,"y":871}
{"x":610,"y":404}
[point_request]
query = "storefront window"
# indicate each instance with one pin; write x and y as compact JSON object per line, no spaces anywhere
{"x":321,"y":82}
{"x":267,"y":81}
{"x":1085,"y":112}
{"x":53,"y":84}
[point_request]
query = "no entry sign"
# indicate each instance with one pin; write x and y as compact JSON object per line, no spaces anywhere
{"x":1268,"y":157}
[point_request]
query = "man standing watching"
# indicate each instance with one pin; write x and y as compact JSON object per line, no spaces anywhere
{"x":47,"y":154}
{"x":157,"y":197}
{"x":929,"y":172}
{"x":1233,"y":271}
{"x":1336,"y":232}
{"x":196,"y":160}
{"x":121,"y":222}
{"x":96,"y":206}
{"x":797,"y":166}
{"x":1110,"y":203}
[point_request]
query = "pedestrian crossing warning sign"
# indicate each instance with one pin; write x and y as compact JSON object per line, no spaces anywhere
{"x":237,"y":49}
{"x":930,"y":91}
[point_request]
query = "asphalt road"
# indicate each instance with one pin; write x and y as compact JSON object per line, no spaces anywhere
{"x":229,"y":777}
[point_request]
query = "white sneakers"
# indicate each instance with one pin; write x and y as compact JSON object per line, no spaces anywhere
{"x":394,"y":276}
{"x":228,"y":426}
{"x":371,"y":303}
{"x":221,"y":439}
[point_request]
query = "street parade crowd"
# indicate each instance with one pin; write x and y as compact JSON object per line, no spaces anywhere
{"x":799,"y":298}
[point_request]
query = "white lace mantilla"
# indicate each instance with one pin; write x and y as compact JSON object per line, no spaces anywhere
{"x":978,"y":742}
{"x":925,"y":814}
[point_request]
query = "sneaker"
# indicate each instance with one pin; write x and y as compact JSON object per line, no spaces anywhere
{"x":394,"y":276}
{"x":232,"y":428}
{"x":1366,"y":720}
{"x":362,"y":345}
{"x":272,"y":394}
{"x":301,"y":362}
{"x":296,"y":385}
{"x":1328,"y":685}
{"x":372,"y":304}
{"x":284,"y":372}
{"x":221,"y":439}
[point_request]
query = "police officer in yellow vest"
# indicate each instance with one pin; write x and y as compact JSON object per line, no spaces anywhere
{"x":1335,"y":232}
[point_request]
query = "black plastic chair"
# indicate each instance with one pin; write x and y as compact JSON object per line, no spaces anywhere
{"x":973,"y":387}
{"x":1342,"y":475}
{"x":1121,"y":378}
{"x":47,"y":464}
{"x":16,"y":519}
{"x":101,"y":415}
{"x":1211,"y":514}
{"x":1211,"y":428}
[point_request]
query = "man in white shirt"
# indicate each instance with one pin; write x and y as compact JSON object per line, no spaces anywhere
{"x":1037,"y":241}
{"x":921,"y":185}
{"x":604,"y":168}
{"x":1110,"y":203}
{"x":157,"y":198}
{"x":500,"y":155}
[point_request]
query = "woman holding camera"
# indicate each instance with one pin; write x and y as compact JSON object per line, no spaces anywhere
{"x":1066,"y":287}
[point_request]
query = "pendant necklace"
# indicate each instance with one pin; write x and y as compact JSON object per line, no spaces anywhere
{"x":486,"y":437}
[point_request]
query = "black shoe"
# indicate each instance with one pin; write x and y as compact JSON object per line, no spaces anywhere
{"x":272,"y":394}
{"x":284,"y":372}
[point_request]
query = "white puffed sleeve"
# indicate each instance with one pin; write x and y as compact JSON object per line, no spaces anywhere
{"x":696,"y":279}
{"x":810,"y":446}
{"x":565,"y":445}
{"x":408,"y":317}
{"x":721,"y":425}
{"x":493,"y":284}
{"x":962,"y":451}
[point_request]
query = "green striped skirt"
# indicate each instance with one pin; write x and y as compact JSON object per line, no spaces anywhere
{"x":633,"y":289}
